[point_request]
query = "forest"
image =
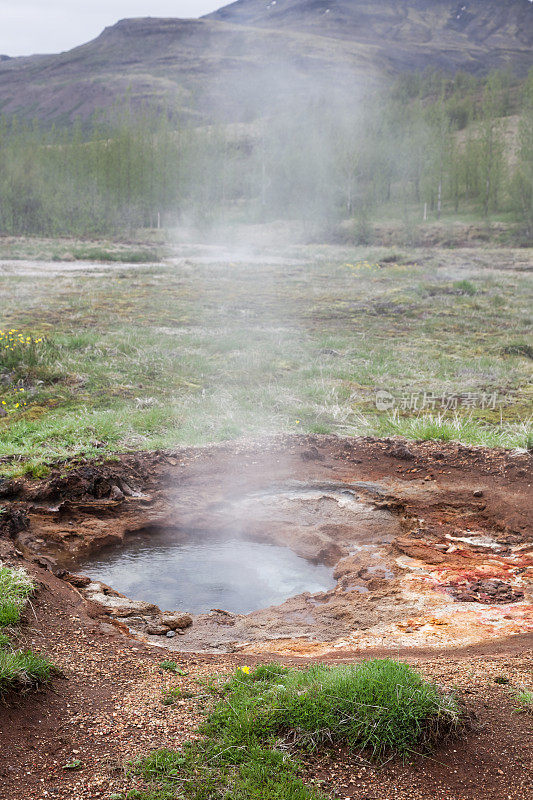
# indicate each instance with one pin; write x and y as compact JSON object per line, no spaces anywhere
{"x":428,"y":146}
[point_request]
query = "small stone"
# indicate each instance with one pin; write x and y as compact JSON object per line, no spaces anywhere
{"x":478,"y":493}
{"x":176,"y":619}
{"x":116,"y":493}
{"x":400,"y":451}
{"x":312,"y":454}
{"x":157,"y":630}
{"x":80,"y":581}
{"x":170,"y":634}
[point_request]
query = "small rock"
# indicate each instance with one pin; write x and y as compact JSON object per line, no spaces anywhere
{"x":45,"y":562}
{"x":157,"y":630}
{"x":116,"y":493}
{"x":176,"y":619}
{"x":170,"y":634}
{"x":80,"y":581}
{"x":312,"y":454}
{"x":401,"y":452}
{"x":478,"y":493}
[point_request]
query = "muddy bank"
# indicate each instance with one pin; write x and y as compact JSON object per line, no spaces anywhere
{"x":430,"y":545}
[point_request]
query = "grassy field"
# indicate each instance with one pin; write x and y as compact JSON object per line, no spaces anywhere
{"x":212,"y":344}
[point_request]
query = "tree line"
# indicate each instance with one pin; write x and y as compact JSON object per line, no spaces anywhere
{"x":430,"y":144}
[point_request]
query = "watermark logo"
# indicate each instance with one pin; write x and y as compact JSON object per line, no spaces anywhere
{"x":439,"y":401}
{"x":385,"y":401}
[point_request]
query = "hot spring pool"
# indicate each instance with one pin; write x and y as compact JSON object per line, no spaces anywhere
{"x":199,"y":574}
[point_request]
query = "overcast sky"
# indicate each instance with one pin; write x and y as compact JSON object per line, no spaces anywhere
{"x":50,"y":26}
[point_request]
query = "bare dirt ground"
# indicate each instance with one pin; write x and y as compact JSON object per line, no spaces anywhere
{"x":453,"y":597}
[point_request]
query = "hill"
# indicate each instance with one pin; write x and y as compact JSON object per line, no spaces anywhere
{"x":231,"y":63}
{"x":475,"y":35}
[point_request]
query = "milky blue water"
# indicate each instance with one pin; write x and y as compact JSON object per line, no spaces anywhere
{"x":200,"y":574}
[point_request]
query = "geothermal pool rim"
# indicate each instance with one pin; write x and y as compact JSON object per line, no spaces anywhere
{"x":456,"y":569}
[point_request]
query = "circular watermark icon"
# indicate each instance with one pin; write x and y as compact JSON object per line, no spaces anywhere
{"x":384,"y":401}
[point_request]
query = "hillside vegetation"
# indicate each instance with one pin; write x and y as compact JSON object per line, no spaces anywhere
{"x":429,"y":148}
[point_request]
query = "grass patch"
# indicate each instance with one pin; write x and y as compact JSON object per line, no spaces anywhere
{"x":465,"y":287}
{"x":171,"y":696}
{"x":454,"y":428}
{"x":267,"y":717}
{"x":171,"y":666}
{"x":524,"y":701}
{"x":155,"y":356}
{"x":19,"y":669}
{"x":15,"y":588}
{"x":23,"y":669}
{"x":380,"y":706}
{"x":128,"y":256}
{"x":519,"y":349}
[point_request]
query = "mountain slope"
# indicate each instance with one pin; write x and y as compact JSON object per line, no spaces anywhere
{"x":249,"y":55}
{"x":201,"y":67}
{"x":469,"y":34}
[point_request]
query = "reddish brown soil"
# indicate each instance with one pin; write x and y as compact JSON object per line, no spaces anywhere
{"x":106,"y":707}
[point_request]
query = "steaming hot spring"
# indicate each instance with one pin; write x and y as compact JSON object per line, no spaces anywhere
{"x":302,"y":545}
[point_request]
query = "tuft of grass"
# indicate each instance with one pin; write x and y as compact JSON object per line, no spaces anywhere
{"x":10,"y":611}
{"x":265,"y":716}
{"x":380,"y":706}
{"x":19,"y":669}
{"x":518,"y":349}
{"x":23,"y":669}
{"x":171,"y":696}
{"x":465,"y":287}
{"x":171,"y":666}
{"x":15,"y":588}
{"x":524,"y":700}
{"x":24,"y":357}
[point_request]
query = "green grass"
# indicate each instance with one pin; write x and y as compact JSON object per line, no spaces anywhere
{"x":23,"y":669}
{"x":380,"y":706}
{"x":15,"y":588}
{"x":208,"y":350}
{"x":171,"y":666}
{"x":524,"y":700}
{"x":444,"y":428}
{"x":19,"y":669}
{"x":171,"y":696}
{"x":267,"y":719}
{"x":130,"y":256}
